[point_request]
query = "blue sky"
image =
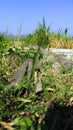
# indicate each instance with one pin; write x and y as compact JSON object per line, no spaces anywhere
{"x":29,"y":13}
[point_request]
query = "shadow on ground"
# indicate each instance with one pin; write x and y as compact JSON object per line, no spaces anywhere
{"x":58,"y":118}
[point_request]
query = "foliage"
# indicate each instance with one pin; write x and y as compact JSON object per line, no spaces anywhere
{"x":49,"y":39}
{"x":20,"y":106}
{"x":39,"y":37}
{"x":4,"y":43}
{"x":42,"y":38}
{"x":18,"y":111}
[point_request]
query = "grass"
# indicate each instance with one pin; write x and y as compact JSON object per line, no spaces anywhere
{"x":21,"y":107}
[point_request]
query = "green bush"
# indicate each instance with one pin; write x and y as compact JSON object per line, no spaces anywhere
{"x":40,"y":37}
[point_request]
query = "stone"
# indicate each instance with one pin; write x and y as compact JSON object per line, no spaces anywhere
{"x":39,"y":86}
{"x":56,"y":67}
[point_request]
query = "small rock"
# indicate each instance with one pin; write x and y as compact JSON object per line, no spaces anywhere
{"x":39,"y":86}
{"x":56,"y":68}
{"x":69,"y":56}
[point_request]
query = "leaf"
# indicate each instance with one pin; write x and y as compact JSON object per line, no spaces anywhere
{"x":23,"y":100}
{"x":17,"y":119}
{"x":50,"y":89}
{"x":28,"y":121}
{"x":25,"y":124}
{"x":2,"y":105}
